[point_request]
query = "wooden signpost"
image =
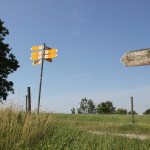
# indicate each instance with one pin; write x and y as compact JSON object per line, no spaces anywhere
{"x":45,"y":53}
{"x":136,"y":58}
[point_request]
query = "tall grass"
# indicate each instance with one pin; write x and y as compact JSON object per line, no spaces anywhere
{"x":19,"y":130}
{"x":22,"y":131}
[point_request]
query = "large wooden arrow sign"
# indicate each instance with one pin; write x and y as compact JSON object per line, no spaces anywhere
{"x":136,"y":58}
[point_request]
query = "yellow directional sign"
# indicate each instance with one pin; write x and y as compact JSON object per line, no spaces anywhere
{"x":50,"y":51}
{"x":37,"y":47}
{"x":36,"y":57}
{"x":50,"y":56}
{"x":45,"y":56}
{"x":45,"y":52}
{"x":37,"y":62}
{"x":49,"y":59}
{"x":36,"y":53}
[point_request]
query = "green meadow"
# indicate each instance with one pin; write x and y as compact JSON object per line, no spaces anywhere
{"x":22,"y":131}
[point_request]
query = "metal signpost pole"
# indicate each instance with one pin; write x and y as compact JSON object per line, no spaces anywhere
{"x":46,"y":53}
{"x":41,"y":79}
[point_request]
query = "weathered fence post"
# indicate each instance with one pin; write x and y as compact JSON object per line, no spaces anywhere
{"x":132,"y":114}
{"x":26,"y":103}
{"x":29,"y":100}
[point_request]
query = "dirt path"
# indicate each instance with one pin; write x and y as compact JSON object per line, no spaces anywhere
{"x":141,"y":137}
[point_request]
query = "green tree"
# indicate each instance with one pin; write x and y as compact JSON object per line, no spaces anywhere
{"x":86,"y":106}
{"x":121,"y":111}
{"x":79,"y":111}
{"x":147,"y":112}
{"x":91,"y":106}
{"x":8,"y":64}
{"x":73,"y":110}
{"x":105,"y":108}
{"x":134,"y":112}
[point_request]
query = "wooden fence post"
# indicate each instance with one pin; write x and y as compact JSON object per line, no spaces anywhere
{"x":29,"y":100}
{"x":132,"y":114}
{"x":26,"y":103}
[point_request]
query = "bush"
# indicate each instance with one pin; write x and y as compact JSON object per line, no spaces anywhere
{"x":134,"y":112}
{"x":105,"y":108}
{"x":121,"y":111}
{"x":147,"y":112}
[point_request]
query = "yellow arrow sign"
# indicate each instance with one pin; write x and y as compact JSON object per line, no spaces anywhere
{"x":36,"y":57}
{"x":37,"y":47}
{"x":37,"y":62}
{"x":50,"y":51}
{"x":50,"y":56}
{"x":45,"y":56}
{"x":40,"y":61}
{"x":45,"y":52}
{"x":36,"y":53}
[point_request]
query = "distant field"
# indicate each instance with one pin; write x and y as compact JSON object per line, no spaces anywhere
{"x":20,"y":131}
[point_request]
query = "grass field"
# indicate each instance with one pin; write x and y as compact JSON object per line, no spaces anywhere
{"x":21,"y":131}
{"x":108,"y":123}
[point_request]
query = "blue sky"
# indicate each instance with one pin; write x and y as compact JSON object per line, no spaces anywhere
{"x":91,"y":37}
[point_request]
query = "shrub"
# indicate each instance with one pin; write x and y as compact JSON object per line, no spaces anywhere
{"x":147,"y":112}
{"x":121,"y":111}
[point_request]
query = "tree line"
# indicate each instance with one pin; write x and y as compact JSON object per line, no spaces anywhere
{"x":87,"y":106}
